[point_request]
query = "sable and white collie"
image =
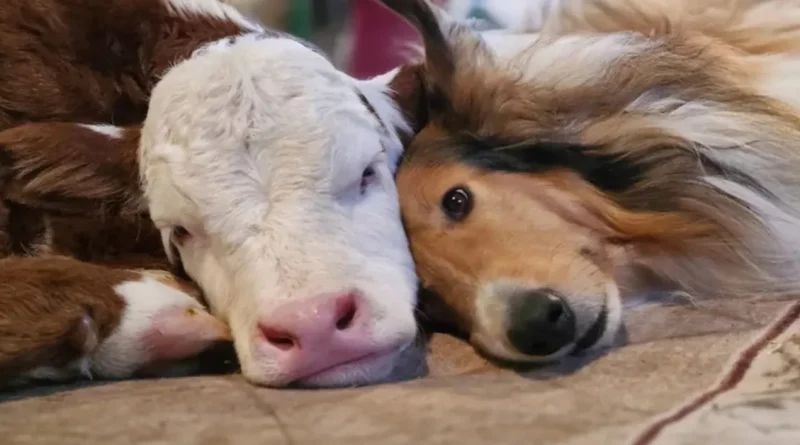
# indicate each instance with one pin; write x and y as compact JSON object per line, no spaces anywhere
{"x":626,"y":147}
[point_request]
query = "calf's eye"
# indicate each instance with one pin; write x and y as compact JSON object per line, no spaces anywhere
{"x":367,"y":178}
{"x":180,"y":235}
{"x":457,"y":203}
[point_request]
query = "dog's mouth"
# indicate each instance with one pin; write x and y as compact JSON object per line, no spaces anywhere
{"x":594,"y":334}
{"x":607,"y":324}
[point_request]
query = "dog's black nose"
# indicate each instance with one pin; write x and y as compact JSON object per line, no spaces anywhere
{"x":540,"y":322}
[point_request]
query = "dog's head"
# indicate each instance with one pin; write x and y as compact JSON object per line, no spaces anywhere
{"x":552,"y":173}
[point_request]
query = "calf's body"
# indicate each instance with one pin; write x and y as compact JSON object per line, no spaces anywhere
{"x":61,"y":319}
{"x":261,"y":170}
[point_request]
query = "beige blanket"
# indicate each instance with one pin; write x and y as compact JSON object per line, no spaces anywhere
{"x":721,"y":373}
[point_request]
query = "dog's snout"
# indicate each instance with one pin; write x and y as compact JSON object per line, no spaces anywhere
{"x":540,"y":322}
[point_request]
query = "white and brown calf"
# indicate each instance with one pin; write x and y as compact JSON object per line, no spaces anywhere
{"x":267,"y":174}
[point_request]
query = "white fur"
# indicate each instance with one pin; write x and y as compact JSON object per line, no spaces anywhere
{"x":515,"y":15}
{"x":744,"y":142}
{"x":123,"y":352}
{"x":112,"y":131}
{"x":781,"y":78}
{"x":210,"y":8}
{"x":782,"y":224}
{"x":507,"y":46}
{"x":551,"y":62}
{"x":613,"y":307}
{"x":257,"y":147}
{"x":521,"y":20}
{"x":375,"y":91}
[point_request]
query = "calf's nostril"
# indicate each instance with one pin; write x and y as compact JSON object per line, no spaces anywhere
{"x":345,"y":312}
{"x":282,"y":343}
{"x":279,"y":338}
{"x":301,"y":326}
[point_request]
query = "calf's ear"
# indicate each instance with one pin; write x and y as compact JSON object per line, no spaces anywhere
{"x":408,"y":92}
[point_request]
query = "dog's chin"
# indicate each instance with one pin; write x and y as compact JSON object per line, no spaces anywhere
{"x":593,"y":338}
{"x":599,"y":332}
{"x":499,"y":352}
{"x":603,"y":331}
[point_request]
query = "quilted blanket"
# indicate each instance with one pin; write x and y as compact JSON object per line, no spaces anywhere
{"x":724,"y":372}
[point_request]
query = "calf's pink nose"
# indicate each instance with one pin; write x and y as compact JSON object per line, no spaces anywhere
{"x":316,"y":334}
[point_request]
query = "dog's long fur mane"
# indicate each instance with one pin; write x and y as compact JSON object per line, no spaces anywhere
{"x":754,"y":26}
{"x":738,"y":170}
{"x":712,"y":128}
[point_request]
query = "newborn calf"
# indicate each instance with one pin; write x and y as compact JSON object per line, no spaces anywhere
{"x":61,"y":319}
{"x":264,"y":172}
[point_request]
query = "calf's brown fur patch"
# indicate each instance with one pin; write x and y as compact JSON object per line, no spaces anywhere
{"x":44,"y":302}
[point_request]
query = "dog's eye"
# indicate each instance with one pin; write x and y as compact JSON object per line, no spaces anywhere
{"x":457,"y":203}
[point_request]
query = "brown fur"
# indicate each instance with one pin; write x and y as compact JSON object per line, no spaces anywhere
{"x":69,"y":190}
{"x":43,"y":300}
{"x":66,"y":189}
{"x":90,"y":60}
{"x":664,"y":228}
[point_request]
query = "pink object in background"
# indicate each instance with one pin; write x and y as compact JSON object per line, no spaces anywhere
{"x":379,"y":38}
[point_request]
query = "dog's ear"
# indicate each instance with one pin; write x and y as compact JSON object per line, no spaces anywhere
{"x":447,"y":43}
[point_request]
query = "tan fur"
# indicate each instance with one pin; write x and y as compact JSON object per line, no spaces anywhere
{"x":685,"y":96}
{"x":754,"y":26}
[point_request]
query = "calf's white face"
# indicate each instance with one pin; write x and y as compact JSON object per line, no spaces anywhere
{"x":270,"y":175}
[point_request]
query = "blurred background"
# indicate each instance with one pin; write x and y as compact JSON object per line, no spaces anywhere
{"x":362,"y":37}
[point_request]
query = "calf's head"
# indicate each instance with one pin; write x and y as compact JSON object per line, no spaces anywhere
{"x":270,"y":176}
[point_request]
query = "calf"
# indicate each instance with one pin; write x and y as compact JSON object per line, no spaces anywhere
{"x":266,"y":174}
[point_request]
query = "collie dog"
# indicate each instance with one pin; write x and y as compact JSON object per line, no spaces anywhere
{"x":623,"y":148}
